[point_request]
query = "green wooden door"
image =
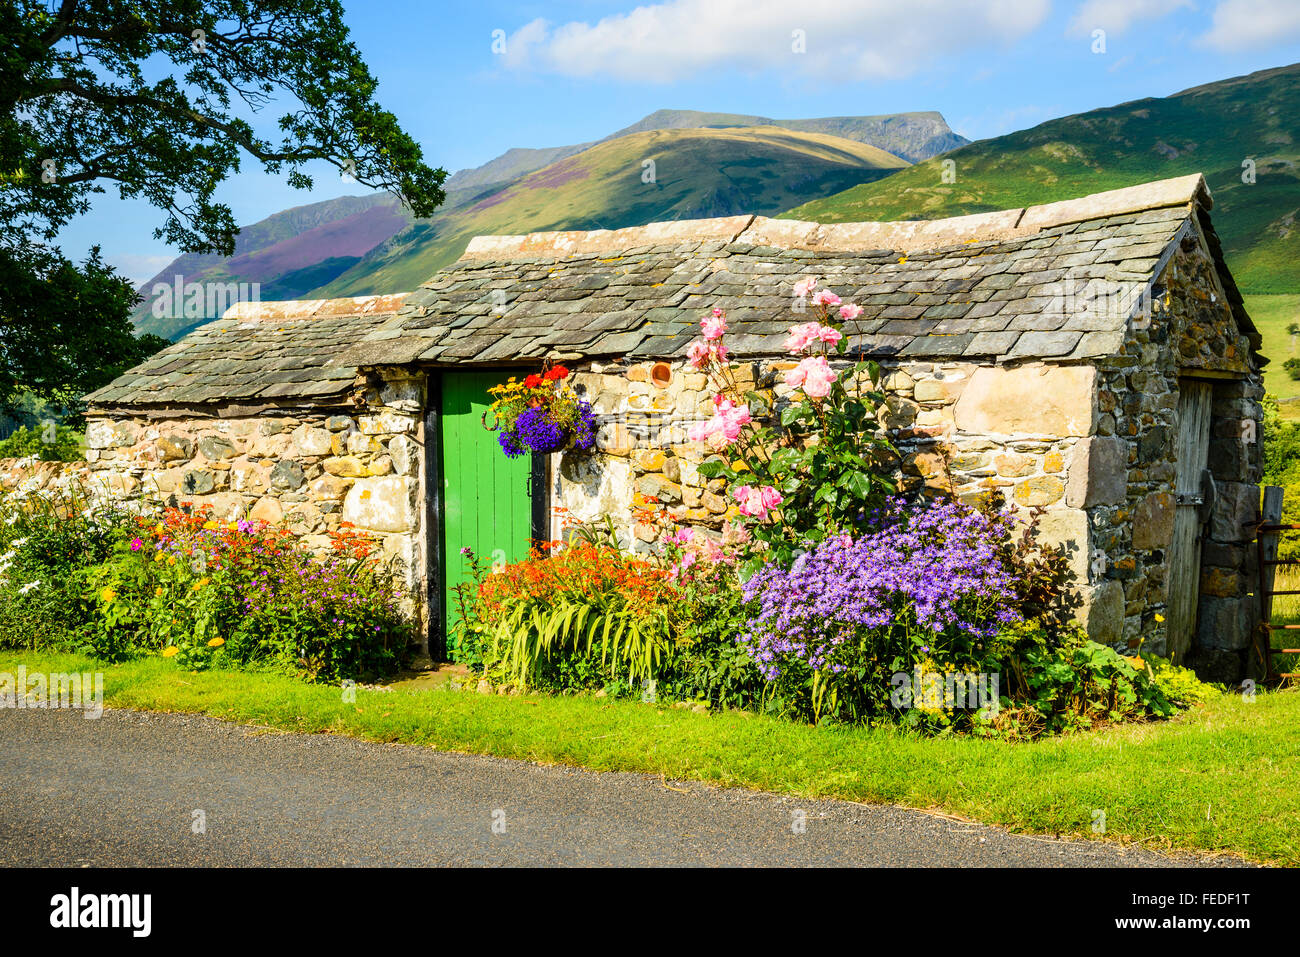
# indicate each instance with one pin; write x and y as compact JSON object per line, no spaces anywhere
{"x":486,"y":501}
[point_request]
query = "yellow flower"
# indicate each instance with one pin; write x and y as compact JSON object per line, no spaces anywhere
{"x":157,"y":591}
{"x":107,"y":594}
{"x":216,"y":642}
{"x":160,"y":528}
{"x":210,"y":525}
{"x":159,"y":557}
{"x":170,"y":652}
{"x":1160,"y":617}
{"x":172,"y":560}
{"x":232,"y":527}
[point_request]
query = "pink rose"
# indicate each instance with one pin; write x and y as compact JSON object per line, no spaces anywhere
{"x":723,"y":427}
{"x":849,"y":312}
{"x":830,"y":336}
{"x":826,"y":298}
{"x":805,"y":286}
{"x":714,"y":325}
{"x":698,"y":354}
{"x":801,"y":337}
{"x":733,"y":420}
{"x":755,"y":502}
{"x":749,"y":500}
{"x":814,"y":374}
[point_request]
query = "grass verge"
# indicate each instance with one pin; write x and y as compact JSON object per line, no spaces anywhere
{"x":1222,"y":778}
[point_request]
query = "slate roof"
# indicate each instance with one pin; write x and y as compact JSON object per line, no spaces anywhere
{"x":982,"y":287}
{"x":257,"y":352}
{"x":987,"y":286}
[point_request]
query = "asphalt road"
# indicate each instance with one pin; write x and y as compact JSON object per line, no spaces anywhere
{"x":123,"y":791}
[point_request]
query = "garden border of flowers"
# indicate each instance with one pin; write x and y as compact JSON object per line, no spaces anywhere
{"x":829,"y":597}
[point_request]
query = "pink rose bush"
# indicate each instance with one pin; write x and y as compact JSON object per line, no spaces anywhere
{"x":808,"y":465}
{"x":724,"y":428}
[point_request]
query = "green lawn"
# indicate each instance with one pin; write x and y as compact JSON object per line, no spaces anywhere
{"x":1225,"y":777}
{"x":1272,"y":314}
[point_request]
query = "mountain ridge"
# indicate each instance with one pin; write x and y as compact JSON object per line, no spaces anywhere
{"x":1226,"y":130}
{"x":318,"y":248}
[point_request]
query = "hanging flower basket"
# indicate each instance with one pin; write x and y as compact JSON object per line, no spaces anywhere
{"x":541,"y":414}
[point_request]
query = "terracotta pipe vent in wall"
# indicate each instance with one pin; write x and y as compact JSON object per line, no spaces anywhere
{"x":661,"y":374}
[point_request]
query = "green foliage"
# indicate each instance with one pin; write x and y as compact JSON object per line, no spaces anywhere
{"x":1179,"y":685}
{"x":1292,"y":367}
{"x":49,"y":544}
{"x":1282,"y":467}
{"x":187,"y":587}
{"x":77,"y":95}
{"x":64,"y":328}
{"x":52,"y":443}
{"x":531,"y":636}
{"x":709,"y":664}
{"x":143,"y":97}
{"x":1080,"y":683}
{"x":94,"y":576}
{"x":581,"y":617}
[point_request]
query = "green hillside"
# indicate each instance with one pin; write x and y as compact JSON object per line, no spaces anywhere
{"x":1209,"y":129}
{"x":697,"y":173}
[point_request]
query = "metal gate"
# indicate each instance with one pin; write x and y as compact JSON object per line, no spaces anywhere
{"x":1268,"y":535}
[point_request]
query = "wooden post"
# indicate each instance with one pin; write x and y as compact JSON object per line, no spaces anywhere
{"x":1270,"y":514}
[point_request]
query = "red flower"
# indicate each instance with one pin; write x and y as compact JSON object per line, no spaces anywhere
{"x":532,"y":381}
{"x":559,"y":372}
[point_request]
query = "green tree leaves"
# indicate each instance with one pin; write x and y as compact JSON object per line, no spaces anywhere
{"x":156,"y":100}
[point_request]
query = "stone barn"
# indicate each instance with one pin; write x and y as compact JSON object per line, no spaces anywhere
{"x":1089,"y":357}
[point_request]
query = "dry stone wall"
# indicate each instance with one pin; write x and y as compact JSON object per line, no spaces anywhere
{"x":310,"y":470}
{"x":975,"y":430}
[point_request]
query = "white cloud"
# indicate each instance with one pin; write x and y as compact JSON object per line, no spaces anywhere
{"x":855,"y":40}
{"x":1116,"y":16}
{"x":1252,"y":24}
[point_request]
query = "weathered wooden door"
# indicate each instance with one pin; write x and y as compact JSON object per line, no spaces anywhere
{"x":1194,"y":400}
{"x":487,"y":501}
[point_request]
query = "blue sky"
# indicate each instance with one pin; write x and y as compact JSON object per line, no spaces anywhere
{"x":571,"y":72}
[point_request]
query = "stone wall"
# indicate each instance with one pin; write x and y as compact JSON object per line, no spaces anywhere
{"x":309,"y":469}
{"x":977,"y":430}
